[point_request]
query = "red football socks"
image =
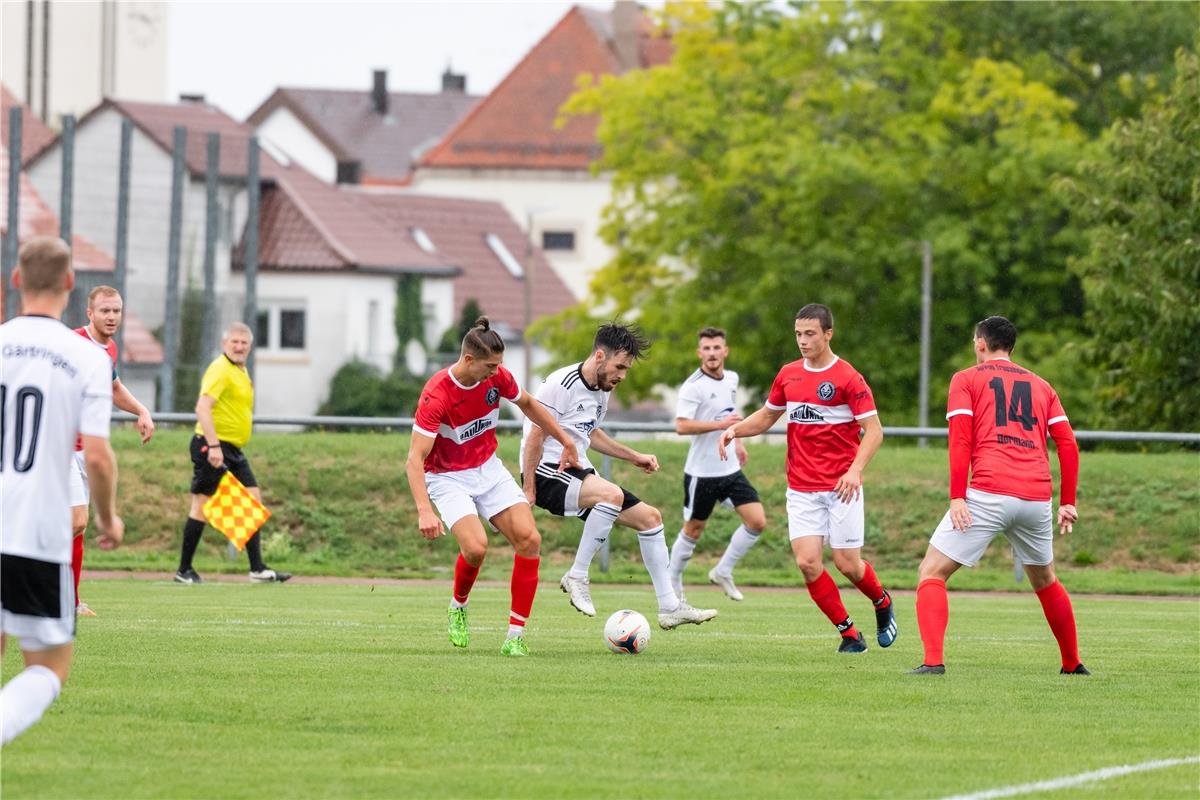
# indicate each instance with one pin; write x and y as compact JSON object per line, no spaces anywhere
{"x":77,"y":563}
{"x":825,"y":594}
{"x":933,"y":613}
{"x":524,"y":587}
{"x":464,"y":578}
{"x":1056,"y":604}
{"x":870,"y":586}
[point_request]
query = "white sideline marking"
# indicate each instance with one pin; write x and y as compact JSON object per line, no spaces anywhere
{"x":1075,"y":780}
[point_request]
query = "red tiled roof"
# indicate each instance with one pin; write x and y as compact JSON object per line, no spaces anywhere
{"x":458,"y":229}
{"x":347,"y":123}
{"x":140,"y":345}
{"x":159,"y":120}
{"x":514,"y":126}
{"x":34,"y":133}
{"x":307,"y":224}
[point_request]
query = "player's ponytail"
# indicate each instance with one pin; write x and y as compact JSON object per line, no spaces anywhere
{"x":481,"y":341}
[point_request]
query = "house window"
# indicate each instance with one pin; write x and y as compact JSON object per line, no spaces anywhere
{"x":280,"y":326}
{"x":558,"y":240}
{"x":506,"y":258}
{"x":291,"y":330}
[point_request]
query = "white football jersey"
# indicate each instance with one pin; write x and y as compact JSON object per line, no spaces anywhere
{"x":702,"y":397}
{"x":575,"y":406}
{"x":53,"y":385}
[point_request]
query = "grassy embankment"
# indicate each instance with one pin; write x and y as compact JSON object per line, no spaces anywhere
{"x":341,"y":507}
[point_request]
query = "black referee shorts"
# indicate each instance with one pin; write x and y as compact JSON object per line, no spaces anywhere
{"x":205,"y":476}
{"x":701,"y":495}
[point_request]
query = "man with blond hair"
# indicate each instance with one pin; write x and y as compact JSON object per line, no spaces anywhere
{"x":55,"y":385}
{"x":105,"y":311}
{"x":224,"y":417}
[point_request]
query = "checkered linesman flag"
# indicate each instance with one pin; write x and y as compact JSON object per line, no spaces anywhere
{"x":234,"y":511}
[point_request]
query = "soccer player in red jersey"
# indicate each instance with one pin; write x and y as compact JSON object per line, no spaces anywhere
{"x":829,"y":405}
{"x":452,"y":465}
{"x":104,"y":312}
{"x":999,"y":416}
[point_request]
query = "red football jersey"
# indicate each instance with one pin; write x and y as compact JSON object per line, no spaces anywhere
{"x":111,"y":349}
{"x":1010,"y":410}
{"x":823,"y":409}
{"x":462,"y":419}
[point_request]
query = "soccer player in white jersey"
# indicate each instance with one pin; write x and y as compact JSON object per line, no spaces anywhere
{"x":576,"y":397}
{"x":707,"y":406}
{"x":54,"y":385}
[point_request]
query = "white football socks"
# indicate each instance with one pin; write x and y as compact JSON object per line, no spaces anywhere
{"x":25,"y":698}
{"x":658,"y":563}
{"x":681,"y":554}
{"x":596,"y":530}
{"x":739,"y":544}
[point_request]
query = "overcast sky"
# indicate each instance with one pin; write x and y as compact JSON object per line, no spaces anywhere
{"x":237,"y":53}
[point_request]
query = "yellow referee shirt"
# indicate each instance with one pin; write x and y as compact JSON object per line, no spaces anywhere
{"x":230,"y":386}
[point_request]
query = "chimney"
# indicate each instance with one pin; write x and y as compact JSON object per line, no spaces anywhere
{"x":453,"y":82}
{"x":349,"y":172}
{"x":192,"y":98}
{"x":625,"y":16}
{"x":379,"y":92}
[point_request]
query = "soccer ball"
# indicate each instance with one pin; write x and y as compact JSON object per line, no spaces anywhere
{"x":627,"y":632}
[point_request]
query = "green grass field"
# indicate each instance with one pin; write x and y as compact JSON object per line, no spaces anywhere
{"x":302,"y":690}
{"x":342,"y":507}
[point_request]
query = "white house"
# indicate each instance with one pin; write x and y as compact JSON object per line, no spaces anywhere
{"x":509,"y":149}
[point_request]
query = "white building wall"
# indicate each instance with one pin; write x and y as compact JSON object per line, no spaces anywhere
{"x":98,"y":48}
{"x":290,"y":135}
{"x":557,"y":200}
{"x":97,"y":160}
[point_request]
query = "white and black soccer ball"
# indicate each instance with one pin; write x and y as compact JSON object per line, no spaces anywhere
{"x":627,"y":632}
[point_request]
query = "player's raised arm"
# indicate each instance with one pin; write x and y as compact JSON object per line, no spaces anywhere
{"x":606,"y":445}
{"x":758,"y":422}
{"x":414,"y":468}
{"x":541,"y":417}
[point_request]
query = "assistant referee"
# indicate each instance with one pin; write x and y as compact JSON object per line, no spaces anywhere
{"x":223,"y":421}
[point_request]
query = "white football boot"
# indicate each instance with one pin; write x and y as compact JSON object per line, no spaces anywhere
{"x":726,"y":583}
{"x":684,"y":615}
{"x":580,"y":593}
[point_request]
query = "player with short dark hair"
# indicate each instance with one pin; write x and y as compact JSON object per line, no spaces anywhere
{"x":708,"y":405}
{"x":452,"y":465}
{"x":105,"y":311}
{"x":1000,"y":414}
{"x":56,"y":386}
{"x":224,"y":423}
{"x":576,"y":397}
{"x":829,"y":405}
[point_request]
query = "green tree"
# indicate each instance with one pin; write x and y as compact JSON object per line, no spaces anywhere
{"x":784,"y":158}
{"x":359,"y":389}
{"x":452,"y":338}
{"x":1141,"y":194}
{"x":408,"y":318}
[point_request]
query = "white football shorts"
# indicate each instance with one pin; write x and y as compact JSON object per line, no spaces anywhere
{"x":1027,"y":524}
{"x":80,"y":492}
{"x":823,"y":514}
{"x":485,"y":490}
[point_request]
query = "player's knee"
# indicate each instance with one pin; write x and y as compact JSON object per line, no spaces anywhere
{"x":811,"y":566}
{"x":528,"y":543}
{"x":613,"y":495}
{"x":693,"y":528}
{"x":474,"y":552}
{"x":756,"y":522}
{"x":652,"y":518}
{"x":849,"y":564}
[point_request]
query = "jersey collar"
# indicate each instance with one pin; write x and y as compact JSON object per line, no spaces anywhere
{"x":579,"y":369}
{"x":462,"y":386}
{"x":828,"y":366}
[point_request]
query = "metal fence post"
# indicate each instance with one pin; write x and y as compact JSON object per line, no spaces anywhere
{"x":211,"y":223}
{"x":122,"y":250}
{"x":250,"y":256}
{"x":11,"y":239}
{"x":67,"y":197}
{"x":171,"y":321}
